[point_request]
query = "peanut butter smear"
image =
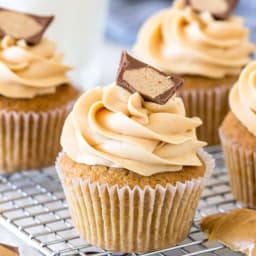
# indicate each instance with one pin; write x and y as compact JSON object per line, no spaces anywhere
{"x":236,"y":230}
{"x":7,"y":250}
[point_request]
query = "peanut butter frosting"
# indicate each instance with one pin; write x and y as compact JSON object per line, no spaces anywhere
{"x":182,"y":41}
{"x":236,"y":229}
{"x":112,"y":127}
{"x":242,"y":98}
{"x":27,"y":71}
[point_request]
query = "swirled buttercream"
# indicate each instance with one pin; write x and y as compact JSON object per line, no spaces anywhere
{"x":27,"y":71}
{"x":182,"y":41}
{"x":242,"y":98}
{"x":112,"y":127}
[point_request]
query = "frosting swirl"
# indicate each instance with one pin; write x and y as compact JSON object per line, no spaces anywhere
{"x":242,"y":98}
{"x":182,"y":41}
{"x":112,"y":127}
{"x":27,"y":71}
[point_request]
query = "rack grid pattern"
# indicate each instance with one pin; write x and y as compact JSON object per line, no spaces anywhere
{"x":32,"y":205}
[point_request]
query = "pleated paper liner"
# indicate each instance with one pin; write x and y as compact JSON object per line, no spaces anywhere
{"x":133,"y":220}
{"x":211,"y":105}
{"x":241,"y":166}
{"x":30,"y":140}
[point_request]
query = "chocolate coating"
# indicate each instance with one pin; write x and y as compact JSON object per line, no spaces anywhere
{"x":152,"y":84}
{"x":217,"y":13}
{"x":23,"y":25}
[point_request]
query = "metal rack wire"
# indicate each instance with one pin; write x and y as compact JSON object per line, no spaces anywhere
{"x":32,"y":205}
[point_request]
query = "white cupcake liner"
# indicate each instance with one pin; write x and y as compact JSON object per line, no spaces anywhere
{"x":135,"y":219}
{"x":241,"y":166}
{"x":30,"y":140}
{"x":211,"y":105}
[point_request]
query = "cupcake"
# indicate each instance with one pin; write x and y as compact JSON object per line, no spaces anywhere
{"x":207,"y":49}
{"x":35,"y":93}
{"x":132,"y":167}
{"x":238,"y":137}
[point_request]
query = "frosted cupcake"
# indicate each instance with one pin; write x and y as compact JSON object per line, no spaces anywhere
{"x":132,"y":168}
{"x":238,"y":137}
{"x":35,"y":93}
{"x":209,"y":53}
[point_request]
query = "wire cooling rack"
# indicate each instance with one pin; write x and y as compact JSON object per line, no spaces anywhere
{"x":32,"y":205}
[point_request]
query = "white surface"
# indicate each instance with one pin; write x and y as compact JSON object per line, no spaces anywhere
{"x":110,"y":58}
{"x":108,"y":62}
{"x":8,"y":238}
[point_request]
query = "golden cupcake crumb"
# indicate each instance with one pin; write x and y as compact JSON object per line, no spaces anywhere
{"x":236,"y":133}
{"x":122,"y":177}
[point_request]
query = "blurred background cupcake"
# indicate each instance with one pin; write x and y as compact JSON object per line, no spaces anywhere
{"x":238,"y":137}
{"x":132,"y":176}
{"x":209,"y":53}
{"x":35,"y":93}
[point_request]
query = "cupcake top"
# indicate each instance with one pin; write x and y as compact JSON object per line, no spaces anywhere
{"x":183,"y":40}
{"x":115,"y":127}
{"x":242,"y":98}
{"x":29,"y":63}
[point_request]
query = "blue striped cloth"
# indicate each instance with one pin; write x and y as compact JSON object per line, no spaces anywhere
{"x":126,"y":16}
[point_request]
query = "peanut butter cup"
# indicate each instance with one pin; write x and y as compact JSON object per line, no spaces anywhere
{"x":152,"y":84}
{"x":23,"y":26}
{"x":221,"y":9}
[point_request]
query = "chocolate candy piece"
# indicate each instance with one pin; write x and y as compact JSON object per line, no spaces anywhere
{"x":220,"y":9}
{"x":8,"y":250}
{"x":150,"y":83}
{"x":23,"y":26}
